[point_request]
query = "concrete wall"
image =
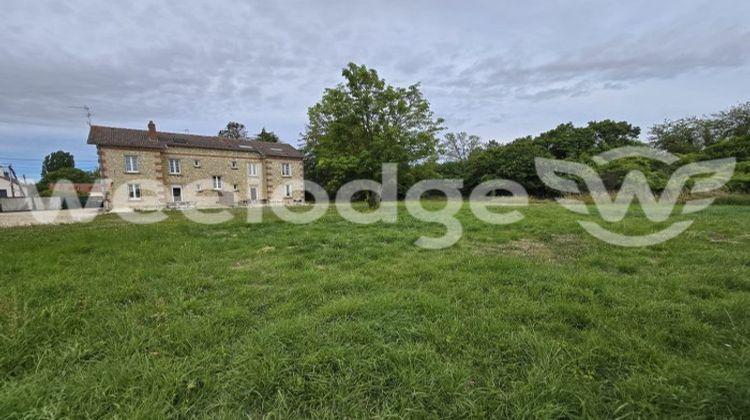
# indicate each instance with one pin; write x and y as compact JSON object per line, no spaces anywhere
{"x":26,"y":204}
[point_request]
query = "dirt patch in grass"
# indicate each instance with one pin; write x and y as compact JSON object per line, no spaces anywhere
{"x":530,"y":248}
{"x":559,"y":248}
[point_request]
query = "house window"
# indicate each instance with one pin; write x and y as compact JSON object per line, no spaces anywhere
{"x":131,"y":164}
{"x":217,"y":182}
{"x":233,"y":164}
{"x":174,"y":166}
{"x":288,"y":190}
{"x":134,"y":191}
{"x":286,"y":170}
{"x":235,"y":187}
{"x":252,"y":169}
{"x":197,"y":163}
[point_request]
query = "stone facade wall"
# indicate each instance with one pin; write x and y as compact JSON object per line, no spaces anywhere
{"x":196,"y":180}
{"x":195,"y":177}
{"x":276,"y":181}
{"x":148,"y":176}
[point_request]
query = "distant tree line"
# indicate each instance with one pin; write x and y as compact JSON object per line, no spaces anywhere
{"x":725,"y":134}
{"x":235,"y":130}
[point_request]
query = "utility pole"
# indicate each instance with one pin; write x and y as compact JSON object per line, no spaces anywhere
{"x":13,"y":177}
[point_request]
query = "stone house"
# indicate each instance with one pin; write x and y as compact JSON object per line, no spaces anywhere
{"x":146,"y":169}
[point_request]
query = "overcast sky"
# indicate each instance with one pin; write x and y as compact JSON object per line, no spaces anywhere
{"x":498,"y":69}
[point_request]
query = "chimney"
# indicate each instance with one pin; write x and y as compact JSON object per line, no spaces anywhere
{"x":151,"y":130}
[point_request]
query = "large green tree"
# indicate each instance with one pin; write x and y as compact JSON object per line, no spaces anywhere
{"x":234,"y":130}
{"x":57,"y":160}
{"x":365,"y":122}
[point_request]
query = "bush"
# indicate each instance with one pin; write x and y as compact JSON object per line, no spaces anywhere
{"x":74,"y":175}
{"x":657,"y":174}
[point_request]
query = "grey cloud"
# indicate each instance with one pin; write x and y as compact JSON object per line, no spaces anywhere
{"x":606,"y":65}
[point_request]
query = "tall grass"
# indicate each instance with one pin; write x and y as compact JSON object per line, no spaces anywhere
{"x":332,"y":319}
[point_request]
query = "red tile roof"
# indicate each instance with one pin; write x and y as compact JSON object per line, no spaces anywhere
{"x":128,"y":137}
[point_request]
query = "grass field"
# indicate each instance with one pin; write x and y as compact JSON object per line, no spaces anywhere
{"x":338,"y":320}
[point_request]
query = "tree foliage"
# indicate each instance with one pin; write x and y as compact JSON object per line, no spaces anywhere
{"x":74,"y":175}
{"x":234,"y":130}
{"x":365,"y":122}
{"x":693,"y":134}
{"x":459,"y":146}
{"x":567,"y":141}
{"x":267,"y":136}
{"x":513,"y":161}
{"x":57,"y":160}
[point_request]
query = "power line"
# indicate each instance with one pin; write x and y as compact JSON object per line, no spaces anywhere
{"x":42,"y":160}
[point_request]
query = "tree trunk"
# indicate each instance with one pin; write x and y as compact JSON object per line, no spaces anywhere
{"x":373,"y":199}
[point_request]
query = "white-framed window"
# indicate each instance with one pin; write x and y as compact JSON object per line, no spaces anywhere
{"x":174,"y":166}
{"x":252,"y":169}
{"x":196,"y":163}
{"x":217,"y":182}
{"x":286,"y":169}
{"x":288,"y":190}
{"x":134,"y":191}
{"x":131,"y":164}
{"x":233,"y":164}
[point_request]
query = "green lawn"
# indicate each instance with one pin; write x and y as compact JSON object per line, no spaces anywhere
{"x":333,"y":319}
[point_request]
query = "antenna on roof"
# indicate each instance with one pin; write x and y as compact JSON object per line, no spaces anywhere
{"x":88,"y":112}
